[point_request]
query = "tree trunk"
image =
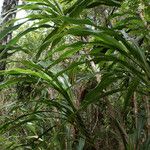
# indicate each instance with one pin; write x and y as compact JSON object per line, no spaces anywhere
{"x":8,"y":5}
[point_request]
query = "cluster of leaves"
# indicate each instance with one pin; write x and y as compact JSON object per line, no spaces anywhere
{"x":81,"y":82}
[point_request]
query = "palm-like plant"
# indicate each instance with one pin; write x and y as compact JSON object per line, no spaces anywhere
{"x":117,"y":69}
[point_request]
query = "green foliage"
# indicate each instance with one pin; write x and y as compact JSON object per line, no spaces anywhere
{"x":81,"y":85}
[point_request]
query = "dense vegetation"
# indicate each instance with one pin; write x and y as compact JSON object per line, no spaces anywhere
{"x":77,"y":76}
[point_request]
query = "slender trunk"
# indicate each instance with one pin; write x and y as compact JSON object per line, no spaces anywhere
{"x":135,"y":109}
{"x":8,"y":5}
